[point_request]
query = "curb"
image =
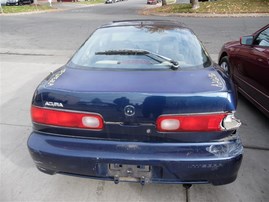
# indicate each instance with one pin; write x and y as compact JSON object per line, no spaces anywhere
{"x":33,"y":12}
{"x":37,"y":52}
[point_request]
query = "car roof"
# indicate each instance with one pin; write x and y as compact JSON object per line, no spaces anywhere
{"x":146,"y":22}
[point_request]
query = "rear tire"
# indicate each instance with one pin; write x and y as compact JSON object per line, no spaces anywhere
{"x":225,"y":64}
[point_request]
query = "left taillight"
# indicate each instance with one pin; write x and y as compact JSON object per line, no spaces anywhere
{"x":190,"y":123}
{"x":67,"y":118}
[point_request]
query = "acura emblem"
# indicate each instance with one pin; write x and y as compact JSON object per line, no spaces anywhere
{"x":129,"y":110}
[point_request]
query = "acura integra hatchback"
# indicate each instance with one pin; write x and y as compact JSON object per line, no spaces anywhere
{"x":140,"y":101}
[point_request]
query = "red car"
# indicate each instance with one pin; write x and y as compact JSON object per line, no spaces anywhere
{"x":247,"y":62}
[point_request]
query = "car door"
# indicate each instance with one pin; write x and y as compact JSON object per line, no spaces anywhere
{"x":253,"y":69}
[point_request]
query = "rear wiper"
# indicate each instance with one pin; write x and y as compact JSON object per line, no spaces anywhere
{"x":173,"y":64}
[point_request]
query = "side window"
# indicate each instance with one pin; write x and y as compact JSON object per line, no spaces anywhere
{"x":263,"y":38}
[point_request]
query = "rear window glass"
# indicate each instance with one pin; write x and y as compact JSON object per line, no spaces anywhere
{"x":122,"y":48}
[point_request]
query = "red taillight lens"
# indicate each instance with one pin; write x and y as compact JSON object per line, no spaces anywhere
{"x":67,"y":118}
{"x":190,"y":123}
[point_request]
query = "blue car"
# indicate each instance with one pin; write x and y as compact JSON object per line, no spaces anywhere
{"x":140,"y":101}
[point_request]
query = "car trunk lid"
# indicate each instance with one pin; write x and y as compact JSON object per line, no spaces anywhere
{"x":131,"y":101}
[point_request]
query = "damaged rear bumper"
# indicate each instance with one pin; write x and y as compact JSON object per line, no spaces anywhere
{"x":182,"y":163}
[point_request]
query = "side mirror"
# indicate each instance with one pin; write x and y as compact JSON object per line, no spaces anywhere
{"x":246,"y":40}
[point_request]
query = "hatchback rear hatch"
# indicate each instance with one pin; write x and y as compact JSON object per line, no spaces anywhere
{"x":130,"y":102}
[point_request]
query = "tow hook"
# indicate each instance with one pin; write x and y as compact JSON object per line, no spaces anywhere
{"x":142,"y":180}
{"x":187,"y":186}
{"x":116,"y":179}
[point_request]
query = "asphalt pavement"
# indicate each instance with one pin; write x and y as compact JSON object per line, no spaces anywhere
{"x":33,"y":45}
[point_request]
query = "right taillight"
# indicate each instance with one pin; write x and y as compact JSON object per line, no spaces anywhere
{"x":197,"y":122}
{"x":230,"y":122}
{"x":69,"y":119}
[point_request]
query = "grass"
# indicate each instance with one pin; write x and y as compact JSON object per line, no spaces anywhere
{"x":25,"y":8}
{"x":33,"y":8}
{"x":219,"y":7}
{"x":91,"y":2}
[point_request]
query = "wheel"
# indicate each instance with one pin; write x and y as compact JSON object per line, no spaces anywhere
{"x":224,"y":64}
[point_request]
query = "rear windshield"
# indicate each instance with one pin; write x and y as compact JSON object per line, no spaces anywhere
{"x":141,"y":47}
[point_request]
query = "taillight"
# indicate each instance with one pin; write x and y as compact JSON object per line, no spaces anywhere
{"x":190,"y":123}
{"x":67,"y":118}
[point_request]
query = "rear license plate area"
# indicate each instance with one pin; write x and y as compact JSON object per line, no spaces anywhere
{"x":130,"y":173}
